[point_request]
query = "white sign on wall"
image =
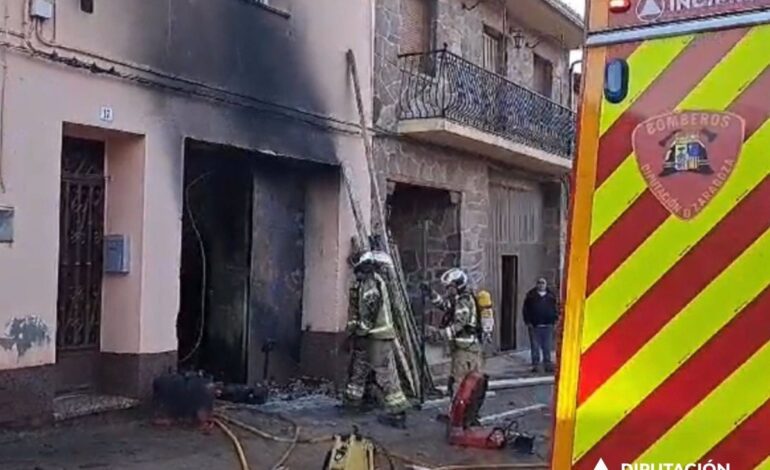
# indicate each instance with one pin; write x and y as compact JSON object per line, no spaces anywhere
{"x":106,"y":114}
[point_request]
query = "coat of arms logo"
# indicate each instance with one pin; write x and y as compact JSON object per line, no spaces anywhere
{"x":686,"y":157}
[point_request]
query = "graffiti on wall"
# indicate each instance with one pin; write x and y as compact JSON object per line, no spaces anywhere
{"x":25,"y":333}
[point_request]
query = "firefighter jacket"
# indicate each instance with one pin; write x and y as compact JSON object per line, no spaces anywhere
{"x":372,"y":316}
{"x":462,"y":329}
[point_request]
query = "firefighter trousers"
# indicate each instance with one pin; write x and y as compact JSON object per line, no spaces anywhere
{"x":375,"y":358}
{"x":465,"y":359}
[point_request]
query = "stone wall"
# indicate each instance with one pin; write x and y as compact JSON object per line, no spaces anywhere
{"x":461,"y":30}
{"x":426,"y":253}
{"x":410,"y":162}
{"x":407,"y":161}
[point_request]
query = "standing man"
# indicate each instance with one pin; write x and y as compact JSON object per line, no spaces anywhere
{"x":371,"y":326}
{"x":460,"y":326}
{"x":541,"y":311}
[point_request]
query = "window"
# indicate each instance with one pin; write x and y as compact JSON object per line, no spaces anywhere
{"x":492,"y":59}
{"x":543,"y":76}
{"x":417,"y":26}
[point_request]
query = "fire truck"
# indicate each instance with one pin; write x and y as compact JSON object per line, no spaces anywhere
{"x":665,"y":348}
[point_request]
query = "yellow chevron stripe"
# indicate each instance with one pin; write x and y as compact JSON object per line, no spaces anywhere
{"x":714,"y":307}
{"x":717,"y":90}
{"x":672,"y":240}
{"x":764,"y":465}
{"x":717,"y":415}
{"x":615,"y":196}
{"x":647,"y":62}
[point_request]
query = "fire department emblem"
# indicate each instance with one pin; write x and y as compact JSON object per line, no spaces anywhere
{"x":686,"y":157}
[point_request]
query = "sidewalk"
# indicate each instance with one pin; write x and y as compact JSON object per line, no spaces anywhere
{"x":127,"y":441}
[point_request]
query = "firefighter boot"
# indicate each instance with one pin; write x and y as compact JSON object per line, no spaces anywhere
{"x":395,"y":420}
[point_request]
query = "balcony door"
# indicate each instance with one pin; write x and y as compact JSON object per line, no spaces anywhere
{"x":543,"y":76}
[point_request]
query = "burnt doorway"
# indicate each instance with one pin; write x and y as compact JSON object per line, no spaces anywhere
{"x":242,"y":269}
{"x":214,"y":272}
{"x":81,"y":237}
{"x":509,"y":297}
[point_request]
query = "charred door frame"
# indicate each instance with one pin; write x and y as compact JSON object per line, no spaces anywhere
{"x":81,"y":238}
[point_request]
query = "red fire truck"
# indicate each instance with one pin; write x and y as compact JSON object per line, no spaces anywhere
{"x":665,"y":358}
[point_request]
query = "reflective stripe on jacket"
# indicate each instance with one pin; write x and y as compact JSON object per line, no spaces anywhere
{"x":375,"y":318}
{"x":462,"y":331}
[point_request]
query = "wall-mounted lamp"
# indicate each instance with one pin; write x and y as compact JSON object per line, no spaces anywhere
{"x":520,"y":41}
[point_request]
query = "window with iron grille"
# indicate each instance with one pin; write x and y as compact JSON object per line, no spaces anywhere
{"x":492,"y":59}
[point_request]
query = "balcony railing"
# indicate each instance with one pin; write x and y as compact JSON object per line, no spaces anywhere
{"x":440,"y":84}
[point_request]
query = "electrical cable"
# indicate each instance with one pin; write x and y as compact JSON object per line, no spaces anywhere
{"x":204,"y":264}
{"x":280,"y":110}
{"x":236,"y":444}
{"x":4,"y":65}
{"x":287,"y":114}
{"x":181,"y":79}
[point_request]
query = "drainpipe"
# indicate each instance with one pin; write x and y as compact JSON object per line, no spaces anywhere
{"x":571,"y":84}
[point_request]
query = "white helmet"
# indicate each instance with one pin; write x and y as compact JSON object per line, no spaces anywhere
{"x":455,"y":276}
{"x":378,"y":258}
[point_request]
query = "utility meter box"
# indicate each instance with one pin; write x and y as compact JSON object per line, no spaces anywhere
{"x":42,"y":9}
{"x":117,"y":259}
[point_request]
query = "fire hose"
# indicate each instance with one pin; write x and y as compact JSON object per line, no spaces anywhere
{"x":297,"y":439}
{"x":236,"y":443}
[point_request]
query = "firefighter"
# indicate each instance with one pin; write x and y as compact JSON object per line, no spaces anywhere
{"x":373,"y":333}
{"x":460,"y":326}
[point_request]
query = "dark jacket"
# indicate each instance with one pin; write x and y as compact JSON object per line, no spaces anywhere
{"x":540,"y":310}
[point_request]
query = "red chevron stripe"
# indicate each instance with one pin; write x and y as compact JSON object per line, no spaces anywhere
{"x":693,"y":273}
{"x":684,"y":389}
{"x":631,"y":229}
{"x":623,"y":51}
{"x":748,"y":445}
{"x":646,"y":214}
{"x":671,"y":87}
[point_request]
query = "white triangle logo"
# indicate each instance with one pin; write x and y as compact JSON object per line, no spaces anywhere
{"x":648,"y":10}
{"x":600,"y":465}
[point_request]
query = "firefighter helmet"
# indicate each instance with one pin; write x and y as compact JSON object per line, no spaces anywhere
{"x":456,"y":277}
{"x":376,"y":258}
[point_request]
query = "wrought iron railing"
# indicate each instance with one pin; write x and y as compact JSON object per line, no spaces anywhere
{"x":440,"y":84}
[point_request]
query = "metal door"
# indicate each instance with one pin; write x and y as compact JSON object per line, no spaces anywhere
{"x":516,"y":223}
{"x":81,"y":234}
{"x":277,"y":273}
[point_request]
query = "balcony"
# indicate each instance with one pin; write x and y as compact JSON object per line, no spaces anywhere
{"x":449,"y":101}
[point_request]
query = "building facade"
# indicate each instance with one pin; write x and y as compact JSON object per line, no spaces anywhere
{"x":171,"y":191}
{"x":475,"y":135}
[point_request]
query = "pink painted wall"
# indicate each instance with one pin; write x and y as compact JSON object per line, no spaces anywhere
{"x":144,"y":163}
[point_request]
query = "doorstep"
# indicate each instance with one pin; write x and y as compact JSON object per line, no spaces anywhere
{"x":85,"y":404}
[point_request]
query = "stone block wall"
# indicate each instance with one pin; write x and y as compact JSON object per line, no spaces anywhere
{"x":461,"y":30}
{"x":411,"y":162}
{"x":406,"y":161}
{"x":426,"y":253}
